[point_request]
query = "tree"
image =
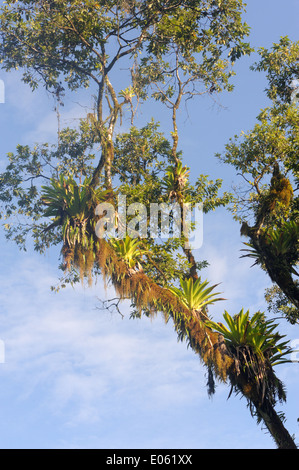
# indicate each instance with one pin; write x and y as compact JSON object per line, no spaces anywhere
{"x":267,"y":160}
{"x":175,"y":50}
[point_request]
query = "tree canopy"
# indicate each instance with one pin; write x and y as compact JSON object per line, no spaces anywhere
{"x":169,"y":51}
{"x":267,"y":160}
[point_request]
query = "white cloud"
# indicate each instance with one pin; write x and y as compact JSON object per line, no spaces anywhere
{"x":35,"y":112}
{"x":79,"y":357}
{"x":47,"y":128}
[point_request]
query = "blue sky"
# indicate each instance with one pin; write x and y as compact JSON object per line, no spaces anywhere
{"x":77,"y":377}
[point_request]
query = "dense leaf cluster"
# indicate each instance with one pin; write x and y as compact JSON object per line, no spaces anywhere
{"x":174,"y":50}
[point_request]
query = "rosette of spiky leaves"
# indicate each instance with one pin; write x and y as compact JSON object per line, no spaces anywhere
{"x":256,"y":349}
{"x":283,"y":241}
{"x":65,"y":197}
{"x":195,"y":294}
{"x":129,"y":250}
{"x":278,"y":243}
{"x":255,"y":332}
{"x":57,"y":197}
{"x":128,"y":94}
{"x":176,"y":179}
{"x":72,"y":206}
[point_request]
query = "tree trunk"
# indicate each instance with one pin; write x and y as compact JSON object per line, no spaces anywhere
{"x":209,"y":345}
{"x":275,"y":425}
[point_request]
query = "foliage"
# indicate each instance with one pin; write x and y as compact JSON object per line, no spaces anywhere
{"x":141,"y":156}
{"x":128,"y":250}
{"x":267,"y":160}
{"x":256,"y":349}
{"x":273,"y":140}
{"x":280,"y":243}
{"x":255,"y":333}
{"x":20,"y":184}
{"x":72,"y":206}
{"x":176,"y":179}
{"x":194,"y":294}
{"x":142,"y":166}
{"x":281,"y":65}
{"x":63,"y":38}
{"x":176,"y":50}
{"x":198,"y":57}
{"x":279,"y":304}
